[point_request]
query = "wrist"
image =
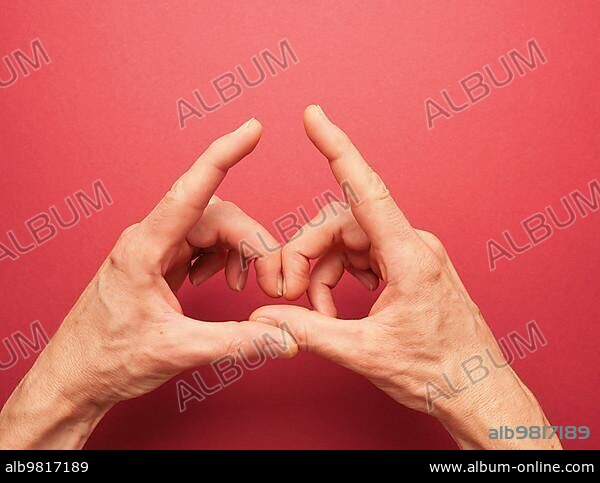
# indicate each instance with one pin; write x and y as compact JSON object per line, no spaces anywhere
{"x":39,"y":415}
{"x":56,"y":405}
{"x":500,"y":400}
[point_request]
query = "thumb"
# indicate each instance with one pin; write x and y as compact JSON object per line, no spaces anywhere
{"x":332,"y":338}
{"x":197,"y":343}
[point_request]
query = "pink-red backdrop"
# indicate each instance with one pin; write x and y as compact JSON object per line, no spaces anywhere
{"x":104,"y":108}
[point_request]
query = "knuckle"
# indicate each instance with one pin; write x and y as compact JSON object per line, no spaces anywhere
{"x":228,"y":206}
{"x":115,"y":258}
{"x":215,"y":145}
{"x":173,"y":192}
{"x":376,"y":191}
{"x":340,"y":144}
{"x":220,"y":147}
{"x":232,"y":347}
{"x":431,"y":268}
{"x":151,"y":254}
{"x":127,"y":234}
{"x":162,"y":210}
{"x":119,"y":255}
{"x":377,"y":194}
{"x":375,"y":198}
{"x":336,"y":211}
{"x":172,"y":195}
{"x":335,"y":205}
{"x":434,"y":243}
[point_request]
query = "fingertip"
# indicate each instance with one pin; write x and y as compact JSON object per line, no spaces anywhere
{"x":255,"y":127}
{"x":206,"y":266}
{"x":232,"y":274}
{"x":279,"y":312}
{"x":312,"y":114}
{"x":326,"y":309}
{"x":268,"y":274}
{"x":248,"y":135}
{"x":313,"y":110}
{"x":292,"y":293}
{"x":263,"y":312}
{"x":276,"y":340}
{"x":326,"y":136}
{"x":252,"y":125}
{"x":322,"y":301}
{"x":268,"y":287}
{"x":296,"y":277}
{"x":241,"y":281}
{"x":366,"y":277}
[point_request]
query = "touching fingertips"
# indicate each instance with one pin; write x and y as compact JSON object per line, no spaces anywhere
{"x":266,"y":320}
{"x":296,"y":275}
{"x":294,"y":288}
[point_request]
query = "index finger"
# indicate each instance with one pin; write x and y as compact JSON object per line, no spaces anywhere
{"x":181,"y":208}
{"x":372,"y":205}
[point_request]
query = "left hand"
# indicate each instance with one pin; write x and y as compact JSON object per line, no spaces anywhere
{"x":127,"y":333}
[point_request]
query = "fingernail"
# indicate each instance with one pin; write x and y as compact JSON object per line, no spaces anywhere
{"x":246,"y":125}
{"x":367,"y":282}
{"x":199,"y":278}
{"x":266,"y":320}
{"x":241,"y":282}
{"x":320,"y":110}
{"x":280,"y":285}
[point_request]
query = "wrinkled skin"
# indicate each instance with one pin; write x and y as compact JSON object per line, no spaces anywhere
{"x":127,"y":334}
{"x":422,"y":326}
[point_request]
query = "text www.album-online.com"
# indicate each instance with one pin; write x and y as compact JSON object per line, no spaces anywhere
{"x":537,"y":467}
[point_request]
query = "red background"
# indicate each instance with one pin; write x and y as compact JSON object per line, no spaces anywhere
{"x":105,"y":108}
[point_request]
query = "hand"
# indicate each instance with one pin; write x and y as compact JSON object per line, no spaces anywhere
{"x":423,"y":325}
{"x":127,"y":334}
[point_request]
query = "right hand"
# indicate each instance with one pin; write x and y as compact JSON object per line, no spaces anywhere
{"x":422,"y":326}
